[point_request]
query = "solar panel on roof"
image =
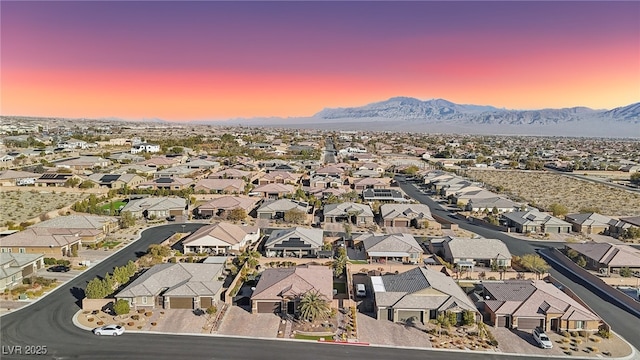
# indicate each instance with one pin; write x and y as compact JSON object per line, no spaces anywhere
{"x":164,"y":180}
{"x":48,"y":176}
{"x":109,"y":178}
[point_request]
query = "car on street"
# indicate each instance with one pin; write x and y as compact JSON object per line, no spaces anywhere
{"x":113,"y":330}
{"x":542,"y":339}
{"x":58,"y":268}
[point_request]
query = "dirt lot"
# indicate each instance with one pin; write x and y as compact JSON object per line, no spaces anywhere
{"x":544,"y":189}
{"x":19,"y":206}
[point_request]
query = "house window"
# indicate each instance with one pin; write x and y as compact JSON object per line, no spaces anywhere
{"x":3,"y":250}
{"x":144,"y":299}
{"x":579,"y":324}
{"x":22,"y":250}
{"x":133,"y":301}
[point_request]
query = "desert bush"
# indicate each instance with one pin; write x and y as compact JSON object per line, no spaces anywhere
{"x":574,"y":333}
{"x":604,"y":333}
{"x":583,"y":333}
{"x":100,"y":323}
{"x":148,"y":313}
{"x":593,"y":348}
{"x":135,"y":317}
{"x":154,"y":324}
{"x":130,"y":323}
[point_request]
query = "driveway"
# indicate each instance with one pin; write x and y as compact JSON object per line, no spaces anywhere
{"x":240,"y":322}
{"x":383,"y":332}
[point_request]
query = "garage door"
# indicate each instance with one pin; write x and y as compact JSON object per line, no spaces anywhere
{"x":205,"y":302}
{"x":175,"y":212}
{"x":501,"y":321}
{"x":180,"y":303}
{"x":409,"y":316}
{"x":528,"y":323}
{"x":269,"y":307}
{"x":402,"y":223}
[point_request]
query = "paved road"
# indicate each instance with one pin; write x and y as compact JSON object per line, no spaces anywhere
{"x":48,"y":323}
{"x":329,"y":151}
{"x":621,"y":321}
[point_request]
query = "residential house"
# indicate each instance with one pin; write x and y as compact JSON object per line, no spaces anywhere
{"x":275,"y":209}
{"x":333,"y":171}
{"x":390,"y":247}
{"x":294,"y":242}
{"x":83,"y":163}
{"x":371,"y":183}
{"x":220,"y":238}
{"x":73,"y":144}
{"x":279,"y":290}
{"x":406,"y":215}
{"x":274,"y":191}
{"x":17,"y":178}
{"x":98,"y":226}
{"x":419,"y":295}
{"x":219,"y":206}
{"x":462,"y":198}
{"x":606,"y":257}
{"x":323,"y":193}
{"x":279,"y":177}
{"x":357,"y":214}
{"x":231,"y":174}
{"x":525,"y":305}
{"x":156,"y":207}
{"x":366,"y":173}
{"x":167,"y":183}
{"x":145,"y":148}
{"x":589,"y":223}
{"x":499,"y":203}
{"x":470,"y":252}
{"x":176,"y":286}
{"x":15,"y":266}
{"x":383,"y":195}
{"x":52,"y":242}
{"x":202,"y":164}
{"x":56,"y":179}
{"x":161,"y":162}
{"x":618,"y":227}
{"x":177,"y":171}
{"x":220,"y":186}
{"x":116,"y":181}
{"x":324,"y":182}
{"x":536,"y":221}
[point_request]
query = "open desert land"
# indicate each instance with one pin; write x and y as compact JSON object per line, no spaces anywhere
{"x":543,"y":189}
{"x":21,"y":206}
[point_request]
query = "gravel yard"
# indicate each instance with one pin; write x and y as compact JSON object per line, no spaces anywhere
{"x":544,"y":189}
{"x":379,"y":332}
{"x":20,"y":206}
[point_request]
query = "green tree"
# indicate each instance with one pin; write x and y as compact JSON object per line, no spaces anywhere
{"x":121,"y":307}
{"x":631,"y":233}
{"x":635,"y":178}
{"x":534,"y":263}
{"x":72,"y":182}
{"x":625,"y":272}
{"x":339,"y":264}
{"x":87,"y":185}
{"x":126,"y":220}
{"x":572,"y":254}
{"x":582,"y":262}
{"x":159,"y":250}
{"x":558,"y":209}
{"x":313,"y":306}
{"x":96,"y":289}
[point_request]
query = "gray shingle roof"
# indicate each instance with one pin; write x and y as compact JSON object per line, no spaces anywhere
{"x":477,"y":248}
{"x":311,"y":237}
{"x":346,"y":208}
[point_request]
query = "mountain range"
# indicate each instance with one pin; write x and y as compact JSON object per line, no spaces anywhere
{"x":439,"y":110}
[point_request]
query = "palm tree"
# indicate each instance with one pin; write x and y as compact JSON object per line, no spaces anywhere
{"x":313,"y":306}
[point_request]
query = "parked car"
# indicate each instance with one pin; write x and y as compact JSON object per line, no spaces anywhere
{"x":542,"y":339}
{"x":361,"y":291}
{"x":171,"y":218}
{"x":58,"y":268}
{"x":113,"y":330}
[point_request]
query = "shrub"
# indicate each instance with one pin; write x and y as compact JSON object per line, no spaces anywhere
{"x":139,"y":327}
{"x":564,"y":333}
{"x":148,"y":313}
{"x":121,"y":307}
{"x":578,"y":341}
{"x":49,"y":261}
{"x":574,"y":334}
{"x":99,"y":323}
{"x":604,"y":333}
{"x":565,"y":340}
{"x":593,"y":348}
{"x":154,"y":324}
{"x":90,"y":319}
{"x":583,"y":333}
{"x":130,"y":323}
{"x":135,"y":317}
{"x":595,"y":339}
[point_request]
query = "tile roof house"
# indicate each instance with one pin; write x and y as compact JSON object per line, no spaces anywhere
{"x":470,"y":252}
{"x":220,"y":238}
{"x":15,"y":266}
{"x":462,"y":198}
{"x":371,"y":183}
{"x":116,"y":181}
{"x":618,"y":227}
{"x":156,"y":207}
{"x":332,"y":171}
{"x":526,"y":305}
{"x":383,"y":195}
{"x":280,"y":177}
{"x":176,"y":286}
{"x":499,"y":203}
{"x":224,"y":186}
{"x":322,"y":181}
{"x":161,"y":161}
{"x":54,"y":242}
{"x":167,"y":183}
{"x":589,"y":223}
{"x":295,"y":242}
{"x":231,"y":174}
{"x":17,"y":178}
{"x":607,"y":256}
{"x":280,"y":290}
{"x":56,"y":179}
{"x":358,"y":214}
{"x":406,"y":215}
{"x":81,"y":222}
{"x":536,"y":221}
{"x":275,"y":209}
{"x":390,"y":247}
{"x":83,"y":162}
{"x":218,"y":206}
{"x":274,"y":191}
{"x":418,"y":295}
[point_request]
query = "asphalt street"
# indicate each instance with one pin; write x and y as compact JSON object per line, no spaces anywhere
{"x":621,"y":321}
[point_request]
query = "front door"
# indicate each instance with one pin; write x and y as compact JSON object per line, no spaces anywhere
{"x":554,"y":324}
{"x":291,"y":307}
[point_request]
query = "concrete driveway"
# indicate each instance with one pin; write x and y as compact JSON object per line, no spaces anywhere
{"x":239,"y":322}
{"x":383,"y":332}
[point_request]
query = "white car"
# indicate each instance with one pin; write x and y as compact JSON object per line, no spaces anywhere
{"x":113,"y":330}
{"x":542,"y":339}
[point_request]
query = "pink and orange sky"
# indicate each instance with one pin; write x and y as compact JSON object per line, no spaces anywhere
{"x":218,"y":60}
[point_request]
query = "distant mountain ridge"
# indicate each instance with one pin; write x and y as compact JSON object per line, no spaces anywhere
{"x":440,"y":110}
